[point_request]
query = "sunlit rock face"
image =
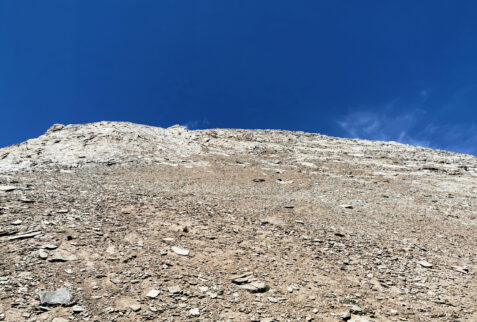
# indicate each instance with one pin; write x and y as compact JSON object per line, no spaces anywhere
{"x":137,"y":223}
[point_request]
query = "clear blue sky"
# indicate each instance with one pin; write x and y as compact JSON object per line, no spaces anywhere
{"x":391,"y":70}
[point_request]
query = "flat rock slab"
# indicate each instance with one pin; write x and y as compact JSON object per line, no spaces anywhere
{"x":180,"y":251}
{"x":461,"y":269}
{"x":358,"y":319}
{"x":62,"y":256}
{"x":8,"y":188}
{"x":135,"y":307}
{"x":153,"y":293}
{"x":60,"y":320}
{"x":50,"y":246}
{"x":425,"y":264}
{"x":254,"y":287}
{"x":78,"y":309}
{"x":58,"y":297}
{"x":194,"y":312}
{"x":175,"y":290}
{"x":26,"y":235}
{"x":242,"y":277}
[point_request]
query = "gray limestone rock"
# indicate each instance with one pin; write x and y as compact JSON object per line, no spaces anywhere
{"x":153,"y":293}
{"x":57,"y":297}
{"x":254,"y":287}
{"x":194,"y":312}
{"x":425,"y":264}
{"x":7,"y":188}
{"x":180,"y":251}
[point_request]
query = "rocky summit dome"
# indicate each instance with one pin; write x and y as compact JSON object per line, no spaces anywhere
{"x":115,"y":221}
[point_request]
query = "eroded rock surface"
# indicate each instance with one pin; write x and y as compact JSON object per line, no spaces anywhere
{"x":143,"y":223}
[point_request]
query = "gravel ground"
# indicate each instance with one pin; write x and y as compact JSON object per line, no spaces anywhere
{"x":133,"y":223}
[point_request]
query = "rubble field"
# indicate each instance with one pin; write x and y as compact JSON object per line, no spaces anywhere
{"x":115,"y":221}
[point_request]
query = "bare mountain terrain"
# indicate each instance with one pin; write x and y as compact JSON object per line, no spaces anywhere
{"x":116,"y":221}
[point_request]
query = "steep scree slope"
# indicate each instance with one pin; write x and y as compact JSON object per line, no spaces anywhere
{"x":136,"y":223}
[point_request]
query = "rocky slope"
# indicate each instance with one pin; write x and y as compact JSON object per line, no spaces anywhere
{"x":116,"y":221}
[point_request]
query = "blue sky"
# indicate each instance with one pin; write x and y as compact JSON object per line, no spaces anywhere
{"x":386,"y":70}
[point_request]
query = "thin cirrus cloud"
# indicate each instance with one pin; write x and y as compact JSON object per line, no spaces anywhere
{"x":410,"y":128}
{"x":196,"y":124}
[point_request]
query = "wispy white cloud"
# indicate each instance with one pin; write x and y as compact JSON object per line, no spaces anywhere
{"x":410,"y":127}
{"x":196,"y":124}
{"x":383,"y":126}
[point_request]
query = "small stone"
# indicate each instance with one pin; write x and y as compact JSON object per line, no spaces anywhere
{"x":425,"y":264}
{"x":212,"y":295}
{"x":272,"y":299}
{"x":180,"y":251}
{"x":25,"y":200}
{"x":135,"y":307}
{"x":203,"y":288}
{"x":153,"y":293}
{"x":347,"y":206}
{"x":56,"y":127}
{"x":355,"y":309}
{"x":62,"y":256}
{"x":242,"y":278}
{"x":194,"y":312}
{"x":17,"y":222}
{"x":43,"y":254}
{"x":175,"y":290}
{"x":254,"y":287}
{"x":78,"y":309}
{"x":8,"y":188}
{"x":393,"y":312}
{"x":2,"y":316}
{"x":26,"y":235}
{"x":60,"y":320}
{"x":359,"y":319}
{"x":50,"y":246}
{"x":461,"y":269}
{"x":345,"y":316}
{"x":57,"y":297}
{"x":168,"y":239}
